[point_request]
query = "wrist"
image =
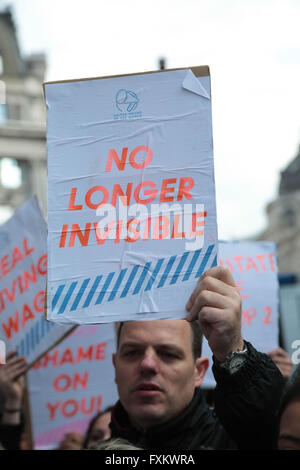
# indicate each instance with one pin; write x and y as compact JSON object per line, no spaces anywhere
{"x":234,"y":361}
{"x":238,"y":345}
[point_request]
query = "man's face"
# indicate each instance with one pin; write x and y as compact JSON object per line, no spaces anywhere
{"x":155,"y":370}
{"x":289,"y":432}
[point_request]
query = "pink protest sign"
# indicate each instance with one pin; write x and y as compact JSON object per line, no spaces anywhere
{"x":71,"y":384}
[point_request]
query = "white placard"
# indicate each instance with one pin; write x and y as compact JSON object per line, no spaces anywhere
{"x":131,"y":195}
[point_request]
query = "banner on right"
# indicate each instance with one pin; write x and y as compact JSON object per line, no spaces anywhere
{"x":253,"y":266}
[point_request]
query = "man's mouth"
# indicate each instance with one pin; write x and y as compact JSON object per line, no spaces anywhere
{"x":147,"y":388}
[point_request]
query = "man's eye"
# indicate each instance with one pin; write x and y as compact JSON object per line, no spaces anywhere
{"x":130,"y":353}
{"x":168,"y":355}
{"x":97,"y":437}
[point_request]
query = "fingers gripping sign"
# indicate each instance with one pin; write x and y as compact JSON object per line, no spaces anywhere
{"x":12,"y":376}
{"x":216,"y":304}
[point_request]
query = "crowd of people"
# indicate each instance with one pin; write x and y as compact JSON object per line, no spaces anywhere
{"x":159,"y":371}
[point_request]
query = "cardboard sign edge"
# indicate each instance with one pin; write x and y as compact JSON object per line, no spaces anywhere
{"x":199,"y":71}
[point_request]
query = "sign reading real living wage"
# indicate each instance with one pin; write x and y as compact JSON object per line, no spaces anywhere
{"x":131,"y":195}
{"x":23,"y":270}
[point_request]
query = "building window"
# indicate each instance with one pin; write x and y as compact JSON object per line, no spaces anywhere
{"x":14,"y":112}
{"x":3,"y":107}
{"x":10,"y":173}
{"x":288,"y":217}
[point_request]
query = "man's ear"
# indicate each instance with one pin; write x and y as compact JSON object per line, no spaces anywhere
{"x":201,"y":367}
{"x":114,"y":361}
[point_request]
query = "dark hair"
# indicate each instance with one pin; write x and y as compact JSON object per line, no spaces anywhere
{"x":197,"y":338}
{"x":91,"y":425}
{"x":291,"y":392}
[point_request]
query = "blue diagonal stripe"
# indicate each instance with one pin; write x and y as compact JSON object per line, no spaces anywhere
{"x":117,"y":285}
{"x":80,"y":294}
{"x":142,"y":278}
{"x":27,"y":344}
{"x":154,"y":274}
{"x":164,"y":277}
{"x":32,"y":338}
{"x":67,"y":297}
{"x":43,"y":321}
{"x":215,"y":261}
{"x":49,"y":325}
{"x":179,"y":267}
{"x":191,"y":265}
{"x":92,"y":292}
{"x":57,"y":296}
{"x":37,"y":332}
{"x":204,"y":261}
{"x":129,"y":281}
{"x":104,"y":288}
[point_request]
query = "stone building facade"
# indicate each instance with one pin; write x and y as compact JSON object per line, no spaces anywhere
{"x":22,"y":122}
{"x":284,"y":219}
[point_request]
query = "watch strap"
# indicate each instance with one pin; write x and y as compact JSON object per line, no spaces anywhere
{"x":234,"y":360}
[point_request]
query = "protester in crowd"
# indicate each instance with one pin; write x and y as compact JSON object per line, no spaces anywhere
{"x":159,"y":369}
{"x":71,"y":441}
{"x":289,"y":414}
{"x":98,"y":429}
{"x":12,"y":386}
{"x":282,"y":361}
{"x":25,"y":441}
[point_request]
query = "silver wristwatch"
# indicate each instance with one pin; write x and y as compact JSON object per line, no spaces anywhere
{"x":234,"y":360}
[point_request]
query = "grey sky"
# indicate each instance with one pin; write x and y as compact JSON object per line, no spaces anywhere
{"x":251,"y":46}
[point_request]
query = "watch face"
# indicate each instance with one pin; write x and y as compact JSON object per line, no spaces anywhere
{"x":236,"y":362}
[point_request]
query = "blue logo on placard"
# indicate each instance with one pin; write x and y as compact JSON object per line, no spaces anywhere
{"x":126,"y":101}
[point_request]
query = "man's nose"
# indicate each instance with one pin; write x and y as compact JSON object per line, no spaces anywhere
{"x":149,"y":361}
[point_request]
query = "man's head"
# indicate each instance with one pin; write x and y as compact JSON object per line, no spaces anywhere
{"x":98,"y":429}
{"x":157,"y":368}
{"x":289,"y":414}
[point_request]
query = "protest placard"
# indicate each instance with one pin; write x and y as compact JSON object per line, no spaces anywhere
{"x":254,"y":268}
{"x":71,"y":384}
{"x":131,"y":195}
{"x":23,"y":269}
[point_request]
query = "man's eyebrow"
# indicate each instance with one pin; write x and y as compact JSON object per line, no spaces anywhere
{"x":170,"y":347}
{"x":133,"y":344}
{"x":162,"y":346}
{"x":290,"y":437}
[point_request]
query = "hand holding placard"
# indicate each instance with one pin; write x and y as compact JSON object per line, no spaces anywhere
{"x":12,"y":384}
{"x":254,"y":269}
{"x":216,"y":304}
